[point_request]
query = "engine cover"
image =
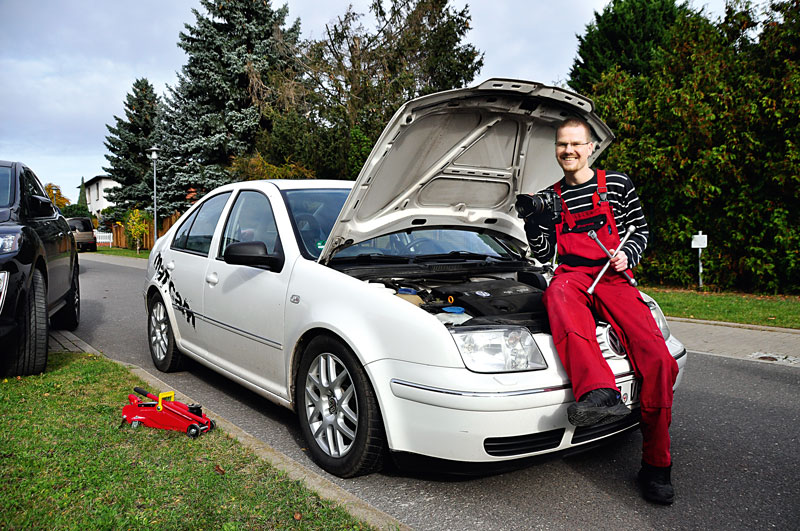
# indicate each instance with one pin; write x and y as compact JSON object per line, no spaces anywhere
{"x":493,"y":297}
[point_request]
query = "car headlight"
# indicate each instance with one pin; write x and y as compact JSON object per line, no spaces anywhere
{"x":506,"y":349}
{"x":9,"y":243}
{"x":661,"y":321}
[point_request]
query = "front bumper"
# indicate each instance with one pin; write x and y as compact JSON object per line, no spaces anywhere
{"x":472,"y":417}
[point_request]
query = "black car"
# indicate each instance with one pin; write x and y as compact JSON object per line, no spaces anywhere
{"x":38,"y":271}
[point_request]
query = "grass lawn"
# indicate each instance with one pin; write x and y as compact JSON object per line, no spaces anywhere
{"x":116,"y":251}
{"x":767,"y":310}
{"x":66,"y":462}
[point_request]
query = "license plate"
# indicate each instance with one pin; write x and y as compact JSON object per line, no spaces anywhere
{"x":630,"y":391}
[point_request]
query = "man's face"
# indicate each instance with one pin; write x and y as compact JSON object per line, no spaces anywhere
{"x":573,"y":148}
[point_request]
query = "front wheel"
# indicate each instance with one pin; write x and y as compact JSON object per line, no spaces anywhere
{"x":30,"y":352}
{"x":166,"y":357}
{"x":338,"y":411}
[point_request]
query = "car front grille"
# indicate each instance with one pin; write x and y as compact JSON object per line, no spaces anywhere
{"x":523,"y":444}
{"x":587,"y":433}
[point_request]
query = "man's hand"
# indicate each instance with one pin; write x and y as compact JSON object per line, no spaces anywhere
{"x":620,"y":261}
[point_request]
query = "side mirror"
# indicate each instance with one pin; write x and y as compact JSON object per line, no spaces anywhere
{"x":253,"y":254}
{"x":41,"y":207}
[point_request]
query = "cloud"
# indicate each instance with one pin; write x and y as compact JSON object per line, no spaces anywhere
{"x":67,"y":66}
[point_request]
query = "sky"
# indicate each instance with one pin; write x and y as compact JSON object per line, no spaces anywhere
{"x":67,"y":65}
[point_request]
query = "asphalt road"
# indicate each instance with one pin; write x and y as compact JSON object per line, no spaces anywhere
{"x":736,"y":441}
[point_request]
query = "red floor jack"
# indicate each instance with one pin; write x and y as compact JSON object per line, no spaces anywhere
{"x":166,"y":413}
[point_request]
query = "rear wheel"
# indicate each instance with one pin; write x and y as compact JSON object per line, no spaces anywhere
{"x":338,"y":410}
{"x":30,"y":354}
{"x":165,"y":356}
{"x":69,"y":316}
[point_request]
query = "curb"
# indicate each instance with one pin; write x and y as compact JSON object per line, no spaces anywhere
{"x":735,"y":325}
{"x":293,"y":470}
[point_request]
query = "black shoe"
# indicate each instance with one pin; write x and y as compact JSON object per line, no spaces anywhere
{"x":656,"y":484}
{"x":600,"y":406}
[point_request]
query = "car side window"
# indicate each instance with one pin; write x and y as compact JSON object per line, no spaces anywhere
{"x":6,"y":189}
{"x":195,"y":233}
{"x":251,"y":219}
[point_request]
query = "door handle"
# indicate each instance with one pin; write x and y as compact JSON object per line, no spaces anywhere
{"x":171,"y":266}
{"x":212,"y":279}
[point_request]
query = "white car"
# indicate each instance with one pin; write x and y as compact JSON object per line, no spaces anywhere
{"x":399,"y":311}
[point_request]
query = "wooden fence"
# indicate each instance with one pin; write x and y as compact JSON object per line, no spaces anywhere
{"x":121,"y":240}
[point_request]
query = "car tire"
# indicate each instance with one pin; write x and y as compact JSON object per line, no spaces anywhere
{"x":94,"y":247}
{"x":69,"y":317}
{"x":338,"y":411}
{"x":160,"y":338}
{"x":30,"y":354}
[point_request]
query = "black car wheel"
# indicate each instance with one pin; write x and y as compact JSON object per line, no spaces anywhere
{"x":30,"y":354}
{"x":69,"y":317}
{"x":338,"y":411}
{"x":165,"y":356}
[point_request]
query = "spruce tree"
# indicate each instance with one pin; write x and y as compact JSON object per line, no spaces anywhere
{"x":127,"y":143}
{"x":210,"y":116}
{"x":82,"y":195}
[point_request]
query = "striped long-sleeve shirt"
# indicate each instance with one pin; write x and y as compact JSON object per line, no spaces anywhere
{"x":624,"y":202}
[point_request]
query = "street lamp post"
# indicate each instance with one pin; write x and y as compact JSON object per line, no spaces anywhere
{"x":154,"y":155}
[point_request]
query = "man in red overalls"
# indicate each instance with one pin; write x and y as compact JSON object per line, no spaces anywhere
{"x":603,"y":201}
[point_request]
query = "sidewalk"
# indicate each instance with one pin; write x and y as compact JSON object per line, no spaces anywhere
{"x":760,"y":343}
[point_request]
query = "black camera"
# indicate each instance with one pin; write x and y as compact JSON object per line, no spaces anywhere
{"x":546,"y":201}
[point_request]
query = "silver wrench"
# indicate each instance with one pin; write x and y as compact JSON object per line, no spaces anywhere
{"x":593,"y":235}
{"x":628,"y":232}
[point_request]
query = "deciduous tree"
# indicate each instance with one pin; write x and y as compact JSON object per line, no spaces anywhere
{"x":55,"y":195}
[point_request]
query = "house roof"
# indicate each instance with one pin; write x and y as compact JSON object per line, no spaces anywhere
{"x":95,"y":179}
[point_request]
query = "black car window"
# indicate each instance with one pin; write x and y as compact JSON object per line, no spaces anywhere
{"x":182,"y":234}
{"x":6,"y":188}
{"x":201,"y":226}
{"x":250,"y":220}
{"x":80,"y":225}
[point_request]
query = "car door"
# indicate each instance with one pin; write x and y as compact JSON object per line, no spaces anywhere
{"x":245,"y":304}
{"x":53,"y":232}
{"x":185,"y":263}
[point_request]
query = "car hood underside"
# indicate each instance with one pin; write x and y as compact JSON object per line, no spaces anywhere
{"x":459,"y":158}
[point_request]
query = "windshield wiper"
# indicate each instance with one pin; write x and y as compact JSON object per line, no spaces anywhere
{"x":460,"y":255}
{"x":368,"y":258}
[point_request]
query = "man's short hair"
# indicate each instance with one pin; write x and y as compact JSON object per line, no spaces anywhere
{"x":573,"y":121}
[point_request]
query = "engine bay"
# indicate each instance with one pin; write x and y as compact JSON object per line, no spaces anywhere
{"x":504,"y":299}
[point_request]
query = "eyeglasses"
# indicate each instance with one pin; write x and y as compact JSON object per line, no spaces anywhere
{"x":564,"y":145}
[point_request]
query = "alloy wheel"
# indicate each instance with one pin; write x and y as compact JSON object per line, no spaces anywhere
{"x":331,"y":405}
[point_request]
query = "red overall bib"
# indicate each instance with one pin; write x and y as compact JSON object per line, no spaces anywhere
{"x":572,"y":311}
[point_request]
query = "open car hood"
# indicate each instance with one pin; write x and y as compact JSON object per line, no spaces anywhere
{"x":459,"y":158}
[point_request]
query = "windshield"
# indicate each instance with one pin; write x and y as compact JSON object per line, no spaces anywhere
{"x":438,"y":243}
{"x":313,"y":214}
{"x":6,"y":193}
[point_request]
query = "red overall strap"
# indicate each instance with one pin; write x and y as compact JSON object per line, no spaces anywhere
{"x":601,"y":194}
{"x":602,"y":190}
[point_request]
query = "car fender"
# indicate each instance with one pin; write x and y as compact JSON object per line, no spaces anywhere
{"x":369,"y":318}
